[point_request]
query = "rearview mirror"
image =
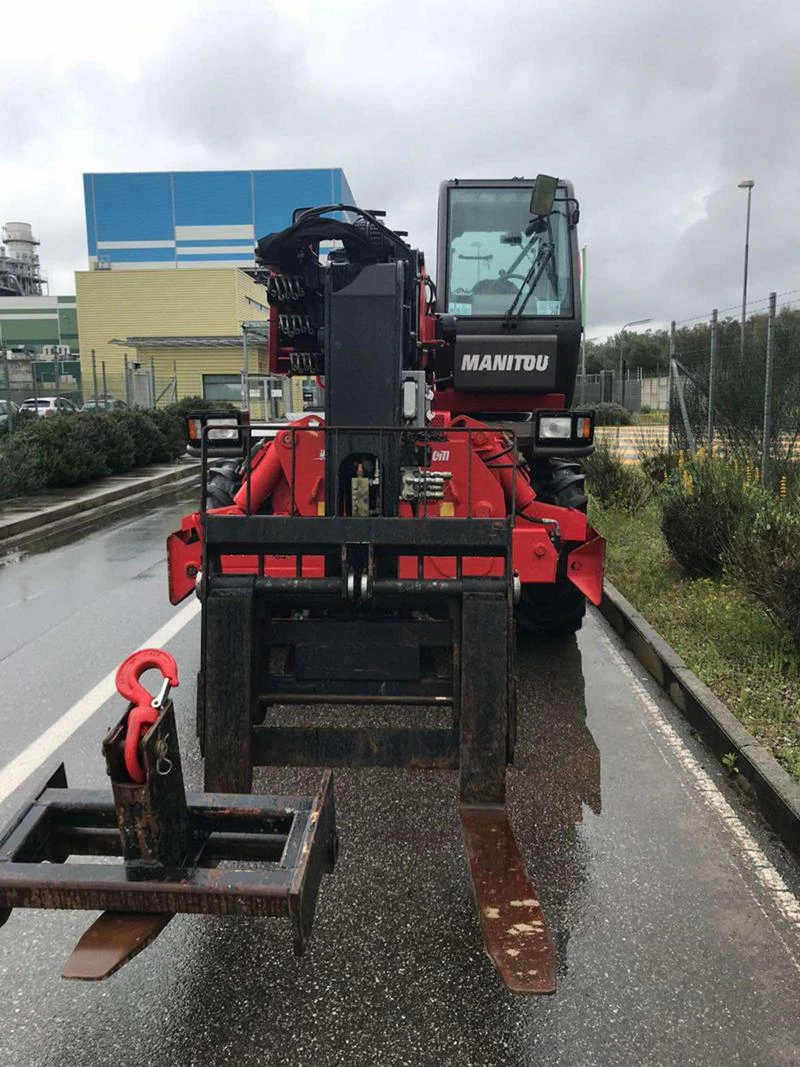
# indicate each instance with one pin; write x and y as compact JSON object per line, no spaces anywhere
{"x":543,"y":194}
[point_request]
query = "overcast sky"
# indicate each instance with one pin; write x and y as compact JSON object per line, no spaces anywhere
{"x":656,"y":110}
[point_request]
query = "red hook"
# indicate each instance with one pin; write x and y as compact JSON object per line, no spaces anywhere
{"x":146,"y":707}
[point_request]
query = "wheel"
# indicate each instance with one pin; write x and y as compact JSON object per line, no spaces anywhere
{"x":222,"y":484}
{"x":555,"y":610}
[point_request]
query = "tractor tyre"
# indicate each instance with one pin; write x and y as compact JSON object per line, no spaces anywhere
{"x":556,"y":610}
{"x":222,"y":484}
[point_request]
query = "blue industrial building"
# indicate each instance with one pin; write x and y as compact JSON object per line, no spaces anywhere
{"x":191,"y":219}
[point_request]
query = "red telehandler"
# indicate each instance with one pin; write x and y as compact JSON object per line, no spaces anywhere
{"x":381,"y":554}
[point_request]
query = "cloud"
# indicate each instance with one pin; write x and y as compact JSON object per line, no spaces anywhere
{"x":655,"y":111}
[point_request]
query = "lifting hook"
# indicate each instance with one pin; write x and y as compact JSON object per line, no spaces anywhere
{"x":146,"y":707}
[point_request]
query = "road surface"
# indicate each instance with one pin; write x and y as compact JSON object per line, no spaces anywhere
{"x":677,"y":925}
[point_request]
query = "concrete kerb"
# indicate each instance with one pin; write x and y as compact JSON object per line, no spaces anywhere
{"x":775,"y":793}
{"x":97,"y":503}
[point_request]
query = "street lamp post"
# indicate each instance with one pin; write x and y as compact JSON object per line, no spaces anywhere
{"x":635,"y":322}
{"x":748,"y":185}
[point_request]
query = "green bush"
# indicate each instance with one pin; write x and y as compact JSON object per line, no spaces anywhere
{"x":22,"y":418}
{"x":67,"y":453}
{"x":190,"y":404}
{"x":21,"y":469}
{"x":62,"y":451}
{"x":764,"y":557}
{"x":141,"y":430}
{"x":612,"y":415}
{"x":702,"y":503}
{"x":110,"y":437}
{"x":614,"y":483}
{"x":169,"y":436}
{"x":658,"y":463}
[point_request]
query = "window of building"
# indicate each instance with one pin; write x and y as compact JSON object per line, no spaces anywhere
{"x":226,"y":387}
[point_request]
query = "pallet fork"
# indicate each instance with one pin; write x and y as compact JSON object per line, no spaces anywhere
{"x":364,"y":635}
{"x":170,"y":843}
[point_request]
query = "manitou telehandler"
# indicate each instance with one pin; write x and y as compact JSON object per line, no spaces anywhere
{"x":378,"y":555}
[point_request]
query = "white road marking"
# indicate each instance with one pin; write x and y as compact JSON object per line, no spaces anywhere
{"x":39,"y":751}
{"x":750,"y":853}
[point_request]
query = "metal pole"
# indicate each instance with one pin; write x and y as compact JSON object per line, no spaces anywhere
{"x":127,"y":386}
{"x":670,"y":361}
{"x":7,"y":378}
{"x":583,"y":323}
{"x":633,"y":322}
{"x":748,"y":185}
{"x":57,"y":381}
{"x":94,"y":377}
{"x":767,"y":433}
{"x":245,"y":371}
{"x":175,"y":381}
{"x":35,"y":383}
{"x":153,"y":379}
{"x":711,"y":370}
{"x":105,"y":387}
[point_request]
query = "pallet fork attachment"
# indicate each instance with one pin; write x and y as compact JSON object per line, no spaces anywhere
{"x":170,"y":843}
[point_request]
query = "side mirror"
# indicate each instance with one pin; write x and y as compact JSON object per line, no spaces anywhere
{"x":543,"y":194}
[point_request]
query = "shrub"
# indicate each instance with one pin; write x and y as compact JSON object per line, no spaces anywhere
{"x":614,"y":483}
{"x":764,"y":557}
{"x":190,"y":404}
{"x":169,"y":436}
{"x":612,"y":415}
{"x":144,"y":438}
{"x":110,"y":437}
{"x":22,"y":418}
{"x":702,"y":502}
{"x":21,"y":469}
{"x":67,"y":453}
{"x":63,"y":451}
{"x":657,"y":463}
{"x":645,"y":409}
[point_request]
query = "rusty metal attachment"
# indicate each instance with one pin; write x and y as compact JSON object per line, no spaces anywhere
{"x":171,"y":844}
{"x":514,"y":929}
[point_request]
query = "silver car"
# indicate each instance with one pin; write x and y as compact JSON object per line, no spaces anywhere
{"x":48,"y":405}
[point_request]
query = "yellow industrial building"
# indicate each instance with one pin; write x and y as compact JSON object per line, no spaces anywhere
{"x":170,"y":321}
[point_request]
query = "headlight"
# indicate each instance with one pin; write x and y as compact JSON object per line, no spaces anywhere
{"x":218,"y":431}
{"x":556,"y":427}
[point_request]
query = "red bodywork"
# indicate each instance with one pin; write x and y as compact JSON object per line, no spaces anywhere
{"x":484,"y":483}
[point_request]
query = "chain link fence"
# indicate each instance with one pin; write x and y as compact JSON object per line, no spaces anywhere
{"x":737,"y":391}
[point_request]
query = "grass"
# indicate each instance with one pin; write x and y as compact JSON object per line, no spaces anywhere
{"x":652,"y":418}
{"x":727,"y":641}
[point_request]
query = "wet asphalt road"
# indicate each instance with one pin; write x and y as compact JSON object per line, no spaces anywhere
{"x":673,"y":944}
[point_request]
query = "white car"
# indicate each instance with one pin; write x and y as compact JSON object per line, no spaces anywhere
{"x":48,"y":405}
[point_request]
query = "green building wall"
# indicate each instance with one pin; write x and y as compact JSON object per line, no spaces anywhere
{"x":33,"y":322}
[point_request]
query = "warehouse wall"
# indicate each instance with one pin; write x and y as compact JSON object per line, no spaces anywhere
{"x":31,"y":322}
{"x":155,"y":303}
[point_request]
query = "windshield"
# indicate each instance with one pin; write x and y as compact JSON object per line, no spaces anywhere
{"x":490,"y":259}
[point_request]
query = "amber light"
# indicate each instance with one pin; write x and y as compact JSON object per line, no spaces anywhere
{"x":583,"y":428}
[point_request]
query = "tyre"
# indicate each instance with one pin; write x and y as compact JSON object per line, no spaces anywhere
{"x":555,"y":610}
{"x":222,"y":484}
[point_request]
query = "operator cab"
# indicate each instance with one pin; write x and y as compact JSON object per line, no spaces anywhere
{"x":509,"y":287}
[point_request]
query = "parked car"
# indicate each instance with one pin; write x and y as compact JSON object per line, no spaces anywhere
{"x":105,"y":403}
{"x":5,"y":406}
{"x":48,"y":405}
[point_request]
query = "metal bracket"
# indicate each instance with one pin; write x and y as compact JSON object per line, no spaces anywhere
{"x":169,"y":842}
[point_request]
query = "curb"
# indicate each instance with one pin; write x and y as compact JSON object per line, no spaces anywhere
{"x":776,"y":794}
{"x":85,"y":511}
